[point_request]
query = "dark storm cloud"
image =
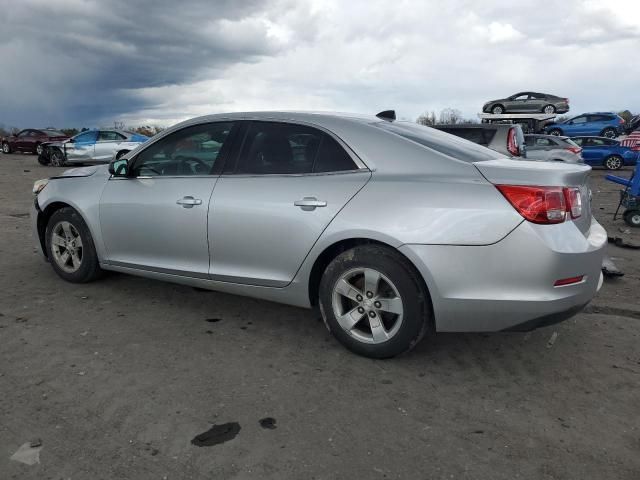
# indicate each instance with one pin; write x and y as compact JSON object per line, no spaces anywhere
{"x":79,"y":62}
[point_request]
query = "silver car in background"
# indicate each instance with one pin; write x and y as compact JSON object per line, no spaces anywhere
{"x":552,"y":148}
{"x":91,"y":146}
{"x":393,"y":229}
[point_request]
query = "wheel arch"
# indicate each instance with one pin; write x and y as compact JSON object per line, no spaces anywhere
{"x":43,"y":219}
{"x":332,"y":251}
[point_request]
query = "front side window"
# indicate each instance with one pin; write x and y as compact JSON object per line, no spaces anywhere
{"x":86,"y":137}
{"x":272,"y":148}
{"x":24,"y":133}
{"x":543,"y":142}
{"x":190,"y":151}
{"x":107,"y":136}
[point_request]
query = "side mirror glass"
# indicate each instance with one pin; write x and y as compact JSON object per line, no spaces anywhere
{"x":119,"y":167}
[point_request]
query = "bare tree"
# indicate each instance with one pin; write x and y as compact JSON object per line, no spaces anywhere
{"x":427,"y":118}
{"x":450,"y":116}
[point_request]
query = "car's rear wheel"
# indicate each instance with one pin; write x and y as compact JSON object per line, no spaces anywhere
{"x":121,"y":154}
{"x":70,"y":247}
{"x":613,"y":162}
{"x":497,"y":109}
{"x":6,"y":148}
{"x":57,"y":158}
{"x":632,"y":218}
{"x":555,"y":131}
{"x":373,"y":302}
{"x":609,"y":133}
{"x":549,"y":109}
{"x":38,"y":149}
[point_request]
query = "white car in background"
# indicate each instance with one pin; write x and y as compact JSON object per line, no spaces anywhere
{"x":552,"y":148}
{"x":91,"y":146}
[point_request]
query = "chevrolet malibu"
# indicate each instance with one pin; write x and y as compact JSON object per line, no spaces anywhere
{"x":394,"y":230}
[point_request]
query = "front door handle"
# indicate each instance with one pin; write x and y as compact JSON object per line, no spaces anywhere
{"x":189,"y":201}
{"x":309,"y":203}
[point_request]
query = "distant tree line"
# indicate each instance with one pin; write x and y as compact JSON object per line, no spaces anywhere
{"x":447,"y":115}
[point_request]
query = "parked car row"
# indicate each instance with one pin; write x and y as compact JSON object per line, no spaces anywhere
{"x":55,"y":148}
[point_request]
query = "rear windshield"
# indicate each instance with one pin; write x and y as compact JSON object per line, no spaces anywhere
{"x":442,"y":142}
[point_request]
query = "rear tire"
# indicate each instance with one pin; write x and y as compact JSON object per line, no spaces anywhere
{"x":549,"y":109}
{"x":373,"y":301}
{"x":121,"y":154}
{"x":6,"y":148}
{"x":555,"y":131}
{"x":70,"y":247}
{"x":497,"y":109}
{"x":609,"y":133}
{"x":613,"y":162}
{"x":38,"y":149}
{"x":632,"y":218}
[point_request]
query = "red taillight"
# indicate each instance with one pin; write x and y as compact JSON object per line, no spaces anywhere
{"x":545,"y":205}
{"x":568,"y":281}
{"x":574,"y":201}
{"x":512,"y":144}
{"x":575,"y":150}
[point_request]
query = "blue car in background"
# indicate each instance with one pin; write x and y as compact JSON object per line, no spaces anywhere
{"x":599,"y":124}
{"x":606,"y":152}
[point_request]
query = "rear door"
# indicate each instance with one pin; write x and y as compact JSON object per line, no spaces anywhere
{"x":519,"y":103}
{"x":107,"y":144}
{"x":269,"y":208}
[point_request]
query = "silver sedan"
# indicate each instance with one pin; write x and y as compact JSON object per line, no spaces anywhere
{"x":394,"y":230}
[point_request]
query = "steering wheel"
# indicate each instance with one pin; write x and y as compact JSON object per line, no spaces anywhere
{"x":200,"y":167}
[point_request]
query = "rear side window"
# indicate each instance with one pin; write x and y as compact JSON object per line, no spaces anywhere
{"x":272,"y":148}
{"x":441,"y":142}
{"x":107,"y":136}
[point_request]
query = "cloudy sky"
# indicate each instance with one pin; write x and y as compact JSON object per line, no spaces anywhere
{"x":91,"y":62}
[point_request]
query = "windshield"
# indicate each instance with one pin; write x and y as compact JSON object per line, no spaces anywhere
{"x":442,"y":142}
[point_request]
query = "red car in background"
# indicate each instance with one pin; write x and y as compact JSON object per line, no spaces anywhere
{"x":30,"y":140}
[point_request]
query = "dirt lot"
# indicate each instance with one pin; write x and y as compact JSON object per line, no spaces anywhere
{"x":117,"y":377}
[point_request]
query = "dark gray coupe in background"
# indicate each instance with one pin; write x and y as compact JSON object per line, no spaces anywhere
{"x":528,"y":102}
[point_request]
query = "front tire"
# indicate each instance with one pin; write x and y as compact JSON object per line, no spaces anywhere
{"x":6,"y":148}
{"x":56,"y":158}
{"x":70,"y":247}
{"x":373,"y":302}
{"x":613,"y":162}
{"x":497,"y":109}
{"x":38,"y":149}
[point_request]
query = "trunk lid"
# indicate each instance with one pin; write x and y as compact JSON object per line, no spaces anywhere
{"x":544,"y":174}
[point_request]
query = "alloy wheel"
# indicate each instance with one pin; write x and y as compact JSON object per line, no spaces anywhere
{"x":5,"y":147}
{"x":56,"y":158}
{"x":367,"y":305}
{"x":497,"y":110}
{"x":66,"y":246}
{"x":549,"y":109}
{"x":613,"y":163}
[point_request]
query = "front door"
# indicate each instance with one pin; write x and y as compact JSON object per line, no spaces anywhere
{"x":82,"y":147}
{"x":268,"y":210}
{"x":156,"y":218}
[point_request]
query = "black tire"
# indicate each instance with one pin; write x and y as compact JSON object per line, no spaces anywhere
{"x":56,"y":157}
{"x":121,"y":154}
{"x":613,"y":162}
{"x":549,"y":109}
{"x":416,"y":306}
{"x":497,"y":109}
{"x":609,"y":133}
{"x":6,"y":148}
{"x":632,"y":218}
{"x":89,"y":268}
{"x":555,"y":131}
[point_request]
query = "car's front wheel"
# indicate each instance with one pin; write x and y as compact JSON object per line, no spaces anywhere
{"x":497,"y":109}
{"x":6,"y":148}
{"x":613,"y":162}
{"x":70,"y":247}
{"x":373,"y":302}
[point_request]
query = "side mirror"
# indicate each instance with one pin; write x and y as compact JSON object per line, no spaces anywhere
{"x":119,"y":167}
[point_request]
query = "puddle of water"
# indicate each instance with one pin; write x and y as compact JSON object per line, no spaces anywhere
{"x":216,"y":435}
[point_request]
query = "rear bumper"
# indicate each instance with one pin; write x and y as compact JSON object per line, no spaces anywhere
{"x":510,"y":285}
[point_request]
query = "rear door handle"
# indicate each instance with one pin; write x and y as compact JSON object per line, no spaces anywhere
{"x":310,"y":203}
{"x":189,"y":201}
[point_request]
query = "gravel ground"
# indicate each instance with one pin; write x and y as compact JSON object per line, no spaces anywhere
{"x":116,"y":378}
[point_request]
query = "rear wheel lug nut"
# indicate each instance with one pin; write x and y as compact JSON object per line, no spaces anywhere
{"x":360,"y":310}
{"x":369,"y":294}
{"x":377,"y":304}
{"x":372,"y":314}
{"x":359,"y":298}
